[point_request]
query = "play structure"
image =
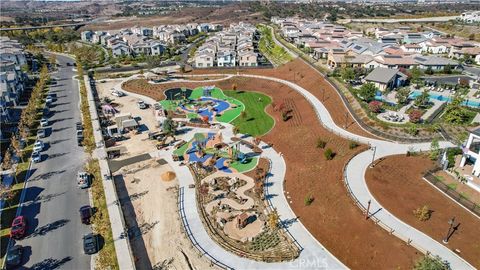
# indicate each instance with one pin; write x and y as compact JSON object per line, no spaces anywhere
{"x":206,"y":103}
{"x":212,"y":151}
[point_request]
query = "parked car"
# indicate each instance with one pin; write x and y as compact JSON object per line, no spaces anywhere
{"x":38,"y":146}
{"x":86,"y":212}
{"x":49,"y":99}
{"x":79,"y":137}
{"x":19,"y":226}
{"x":44,"y":122}
{"x":141,"y":105}
{"x":157,"y":106}
{"x":90,"y":244}
{"x":36,"y":157}
{"x":79,"y":126}
{"x":84,"y":179}
{"x":118,"y":93}
{"x":41,"y":133}
{"x":14,"y":257}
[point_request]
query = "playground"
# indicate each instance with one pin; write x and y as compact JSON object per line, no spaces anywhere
{"x":213,"y":151}
{"x":207,"y":103}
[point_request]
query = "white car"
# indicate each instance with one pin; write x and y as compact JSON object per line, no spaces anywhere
{"x":142,"y":105}
{"x":118,"y":93}
{"x":44,"y":122}
{"x":49,"y":99}
{"x":38,"y":146}
{"x":36,"y":157}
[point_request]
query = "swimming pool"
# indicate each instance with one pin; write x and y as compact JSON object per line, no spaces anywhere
{"x":435,"y":96}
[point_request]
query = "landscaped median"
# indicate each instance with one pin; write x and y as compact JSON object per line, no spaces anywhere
{"x":275,"y":53}
{"x":107,"y":258}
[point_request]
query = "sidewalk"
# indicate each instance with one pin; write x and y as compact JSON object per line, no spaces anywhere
{"x":122,"y":245}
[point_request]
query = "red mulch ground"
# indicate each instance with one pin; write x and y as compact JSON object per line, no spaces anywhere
{"x":332,"y":218}
{"x":397,"y":184}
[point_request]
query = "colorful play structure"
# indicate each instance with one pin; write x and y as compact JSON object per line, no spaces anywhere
{"x":211,"y":150}
{"x":206,"y":103}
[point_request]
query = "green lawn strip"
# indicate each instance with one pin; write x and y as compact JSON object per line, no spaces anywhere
{"x":257,"y":121}
{"x":244,"y":167}
{"x":181,"y":151}
{"x":107,"y":258}
{"x":452,"y":186}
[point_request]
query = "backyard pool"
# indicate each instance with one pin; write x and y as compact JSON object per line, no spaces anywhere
{"x":435,"y":96}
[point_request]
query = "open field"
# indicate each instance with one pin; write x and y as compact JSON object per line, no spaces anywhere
{"x":332,"y":212}
{"x":399,"y":179}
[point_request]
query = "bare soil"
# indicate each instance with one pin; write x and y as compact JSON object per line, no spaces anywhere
{"x":399,"y":179}
{"x":332,"y":217}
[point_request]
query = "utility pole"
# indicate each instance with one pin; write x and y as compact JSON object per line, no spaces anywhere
{"x":368,"y":209}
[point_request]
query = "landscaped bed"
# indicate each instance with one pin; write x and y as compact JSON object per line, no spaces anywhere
{"x":399,"y":179}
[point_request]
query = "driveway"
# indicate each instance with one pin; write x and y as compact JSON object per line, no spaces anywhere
{"x":52,"y":199}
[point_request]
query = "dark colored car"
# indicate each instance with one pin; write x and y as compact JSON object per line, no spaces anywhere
{"x":14,"y":257}
{"x":90,"y":244}
{"x":86,"y":213}
{"x":19,"y":226}
{"x":79,"y":126}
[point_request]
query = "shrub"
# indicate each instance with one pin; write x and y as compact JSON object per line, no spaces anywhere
{"x":329,"y":154}
{"x":321,"y":143}
{"x":375,"y":106}
{"x":309,"y":199}
{"x":352,"y":144}
{"x":431,"y":263}
{"x":285,"y":116}
{"x":422,"y":213}
{"x":412,"y":130}
{"x":415,"y":116}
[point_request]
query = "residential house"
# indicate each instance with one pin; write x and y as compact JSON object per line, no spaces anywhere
{"x":247,"y":58}
{"x":226,"y":58}
{"x":120,"y":49}
{"x":204,"y":59}
{"x":86,"y":36}
{"x":434,"y":62}
{"x":470,"y":17}
{"x":386,"y":78}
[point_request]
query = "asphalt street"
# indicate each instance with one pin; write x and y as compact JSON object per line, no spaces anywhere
{"x":52,"y":198}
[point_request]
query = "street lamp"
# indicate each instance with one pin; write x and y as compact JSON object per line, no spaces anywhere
{"x":374,"y":149}
{"x":450,"y":222}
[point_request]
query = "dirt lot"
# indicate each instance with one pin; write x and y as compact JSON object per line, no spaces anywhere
{"x":399,"y":179}
{"x":149,"y":205}
{"x":332,"y":218}
{"x":225,"y":15}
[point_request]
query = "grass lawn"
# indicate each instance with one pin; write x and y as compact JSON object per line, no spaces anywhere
{"x":226,"y":116}
{"x":251,"y":163}
{"x":256,"y":122}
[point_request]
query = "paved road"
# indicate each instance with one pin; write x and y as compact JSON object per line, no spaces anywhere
{"x":412,"y":20}
{"x":52,"y":198}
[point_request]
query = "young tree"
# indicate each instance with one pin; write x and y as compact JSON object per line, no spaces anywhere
{"x":447,"y":69}
{"x":16,"y":146}
{"x":434,"y":149}
{"x":273,"y":219}
{"x":367,"y":92}
{"x":347,"y":73}
{"x":415,"y":116}
{"x":415,"y":74}
{"x":402,"y":95}
{"x":7,"y":161}
{"x":375,"y":106}
{"x":422,"y":100}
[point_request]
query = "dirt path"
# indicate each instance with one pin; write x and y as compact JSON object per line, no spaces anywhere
{"x":150,"y":209}
{"x":399,"y":179}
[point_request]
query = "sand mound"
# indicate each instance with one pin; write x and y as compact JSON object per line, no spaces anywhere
{"x":168,"y":176}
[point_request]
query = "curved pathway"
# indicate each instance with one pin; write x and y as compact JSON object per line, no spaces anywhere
{"x":357,"y":186}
